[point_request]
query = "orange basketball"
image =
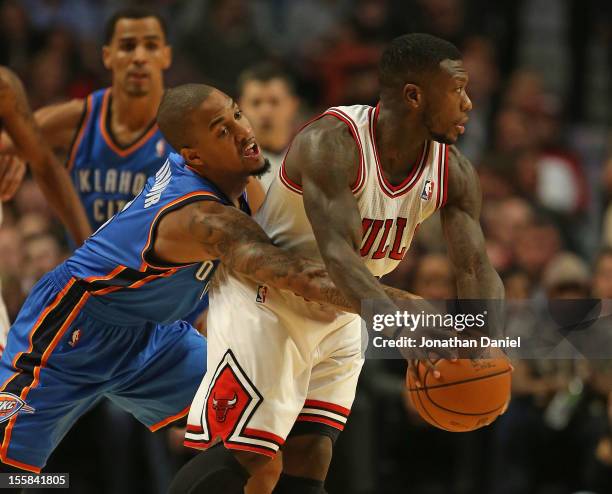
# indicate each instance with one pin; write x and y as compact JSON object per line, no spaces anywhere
{"x":468,"y":395}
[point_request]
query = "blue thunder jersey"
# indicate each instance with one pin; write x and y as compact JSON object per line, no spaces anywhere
{"x":116,"y":263}
{"x":105,"y":174}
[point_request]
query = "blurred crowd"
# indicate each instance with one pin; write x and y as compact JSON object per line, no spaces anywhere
{"x":539,"y":135}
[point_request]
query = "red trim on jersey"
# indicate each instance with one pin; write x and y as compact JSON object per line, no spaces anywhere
{"x":321,"y":420}
{"x":196,"y":429}
{"x":80,"y":132}
{"x":269,"y":452}
{"x":360,"y":180}
{"x":168,"y":420}
{"x":389,"y":189}
{"x":446,"y":167}
{"x":146,"y":264}
{"x":108,"y":276}
{"x":117,"y":150}
{"x":330,"y":407}
{"x":340,"y":115}
{"x":231,"y":445}
{"x":440,"y":177}
{"x":266,"y":436}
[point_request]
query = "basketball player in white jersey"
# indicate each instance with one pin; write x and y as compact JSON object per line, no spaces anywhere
{"x":16,"y":119}
{"x":355,"y":184}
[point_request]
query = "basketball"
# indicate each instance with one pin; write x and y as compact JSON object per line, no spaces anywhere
{"x":468,"y":395}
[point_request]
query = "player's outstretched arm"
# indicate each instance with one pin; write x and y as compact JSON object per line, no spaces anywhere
{"x":50,"y":175}
{"x":326,"y":157}
{"x":209,"y":230}
{"x":476,"y":277}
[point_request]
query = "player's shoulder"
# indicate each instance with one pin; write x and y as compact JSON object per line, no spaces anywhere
{"x":327,"y":137}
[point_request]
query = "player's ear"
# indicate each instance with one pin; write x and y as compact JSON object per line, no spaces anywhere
{"x":106,"y":55}
{"x":412,"y":95}
{"x":191,"y":155}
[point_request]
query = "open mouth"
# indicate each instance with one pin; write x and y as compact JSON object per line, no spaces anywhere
{"x":251,"y":151}
{"x":138,"y":76}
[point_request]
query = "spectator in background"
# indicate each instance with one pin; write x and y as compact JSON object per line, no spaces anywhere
{"x":602,"y":274}
{"x":224,"y":42}
{"x":267,"y":96}
{"x":535,"y":246}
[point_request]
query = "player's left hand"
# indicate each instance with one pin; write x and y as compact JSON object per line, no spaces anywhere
{"x":12,"y":171}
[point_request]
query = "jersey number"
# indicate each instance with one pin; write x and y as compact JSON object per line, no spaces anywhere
{"x":203,"y":273}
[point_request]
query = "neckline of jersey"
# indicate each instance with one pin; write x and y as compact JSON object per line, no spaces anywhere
{"x":415,"y":171}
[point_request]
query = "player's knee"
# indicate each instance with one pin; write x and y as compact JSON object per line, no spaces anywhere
{"x":252,"y":462}
{"x":307,"y":456}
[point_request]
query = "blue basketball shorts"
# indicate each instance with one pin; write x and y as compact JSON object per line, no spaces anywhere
{"x":66,"y":351}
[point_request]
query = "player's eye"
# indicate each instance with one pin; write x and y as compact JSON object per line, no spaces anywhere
{"x":238,"y":115}
{"x":152,"y":46}
{"x":223,"y":131}
{"x":127,"y":46}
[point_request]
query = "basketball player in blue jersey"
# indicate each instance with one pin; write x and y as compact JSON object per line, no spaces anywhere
{"x":102,"y":324}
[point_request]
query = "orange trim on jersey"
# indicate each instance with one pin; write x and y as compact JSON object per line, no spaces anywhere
{"x":108,"y":276}
{"x":37,"y":324}
{"x":109,"y":141}
{"x":19,"y":464}
{"x":45,"y":356}
{"x":168,"y":420}
{"x":80,"y":132}
{"x":145,"y":264}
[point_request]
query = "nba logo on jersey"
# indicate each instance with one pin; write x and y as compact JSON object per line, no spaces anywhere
{"x":262,"y":292}
{"x":427,"y":190}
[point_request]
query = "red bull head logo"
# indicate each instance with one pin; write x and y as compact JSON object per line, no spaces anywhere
{"x":10,"y":405}
{"x":222,"y":405}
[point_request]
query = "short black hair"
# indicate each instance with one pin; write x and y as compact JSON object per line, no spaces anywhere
{"x":174,"y":113}
{"x":409,"y":57}
{"x":135,"y":12}
{"x":265,"y":72}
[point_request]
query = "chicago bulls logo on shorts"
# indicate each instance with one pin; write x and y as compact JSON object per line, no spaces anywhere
{"x":222,"y":405}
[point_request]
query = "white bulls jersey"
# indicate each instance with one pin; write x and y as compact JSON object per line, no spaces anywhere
{"x":283,"y":362}
{"x":390,"y":214}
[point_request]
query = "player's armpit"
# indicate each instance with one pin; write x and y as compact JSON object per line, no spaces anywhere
{"x":476,"y":277}
{"x":327,"y":159}
{"x":208,"y":230}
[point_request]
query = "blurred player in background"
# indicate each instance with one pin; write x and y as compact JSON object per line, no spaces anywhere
{"x":267,"y":96}
{"x":16,"y":120}
{"x":354,"y":186}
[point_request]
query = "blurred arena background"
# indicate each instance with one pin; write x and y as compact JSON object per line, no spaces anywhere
{"x":539,"y":135}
